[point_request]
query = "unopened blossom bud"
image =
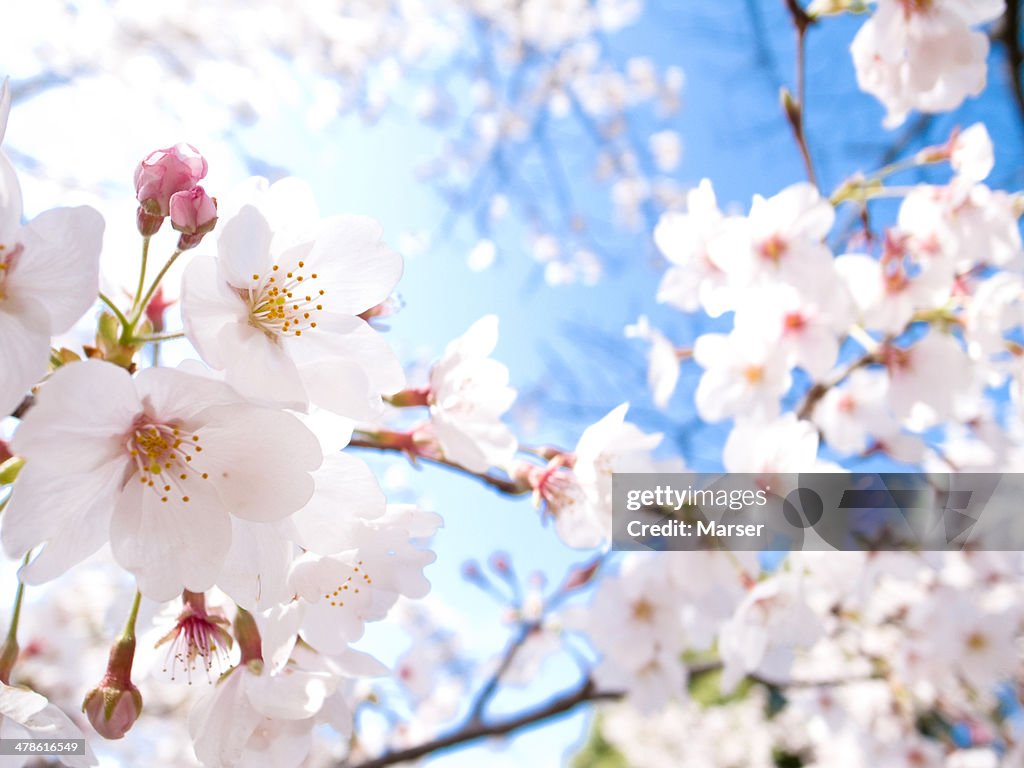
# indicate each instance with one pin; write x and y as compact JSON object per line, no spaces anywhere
{"x":115,"y":704}
{"x":193,"y":212}
{"x":410,"y":397}
{"x":580,"y":576}
{"x":113,"y":710}
{"x":165,"y":172}
{"x":149,"y":223}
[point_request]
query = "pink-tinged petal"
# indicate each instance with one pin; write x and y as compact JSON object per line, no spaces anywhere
{"x":169,"y":394}
{"x":279,"y":627}
{"x":24,"y":350}
{"x":255,"y":572}
{"x":69,"y":511}
{"x":290,"y":695}
{"x":280,"y":743}
{"x":60,"y":266}
{"x":173,"y":545}
{"x":259,"y":460}
{"x":10,"y":200}
{"x":208,"y":304}
{"x":244,"y":247}
{"x":222,"y":721}
{"x":347,"y":493}
{"x":257,"y":366}
{"x":356,"y":270}
{"x":81,"y":418}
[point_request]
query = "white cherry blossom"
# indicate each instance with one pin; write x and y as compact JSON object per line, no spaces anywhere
{"x":693,"y":280}
{"x":742,"y":376}
{"x":156,"y":464}
{"x":279,"y":314}
{"x":923,"y":55}
{"x":469,"y":393}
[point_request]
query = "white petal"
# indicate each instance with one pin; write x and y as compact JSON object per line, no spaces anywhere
{"x":172,"y":394}
{"x":244,"y":247}
{"x":60,"y":266}
{"x":10,"y":200}
{"x":259,"y":460}
{"x":290,"y":695}
{"x":24,"y":350}
{"x":255,"y":571}
{"x":346,"y":493}
{"x":80,"y":417}
{"x":259,"y":368}
{"x":356,"y":270}
{"x":173,"y":545}
{"x":222,"y":722}
{"x":69,"y":511}
{"x":5,"y":106}
{"x":208,"y":304}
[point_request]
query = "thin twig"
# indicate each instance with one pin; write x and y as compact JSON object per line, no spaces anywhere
{"x":509,"y":487}
{"x":794,"y":107}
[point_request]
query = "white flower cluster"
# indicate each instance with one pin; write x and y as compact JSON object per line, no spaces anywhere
{"x":199,"y":477}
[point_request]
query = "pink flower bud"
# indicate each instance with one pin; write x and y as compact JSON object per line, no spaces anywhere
{"x":113,"y":709}
{"x":193,"y":212}
{"x":164,"y":172}
{"x":114,"y":705}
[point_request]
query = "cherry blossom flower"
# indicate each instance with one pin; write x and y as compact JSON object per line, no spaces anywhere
{"x":926,"y":377}
{"x":742,"y":376}
{"x":49,"y":276}
{"x":663,"y":360}
{"x":576,"y":489}
{"x":786,"y":444}
{"x":156,"y":464}
{"x":24,"y":714}
{"x":255,"y":717}
{"x":923,"y":55}
{"x":340,"y":593}
{"x":693,"y":280}
{"x":469,"y":392}
{"x":279,"y":315}
{"x":780,"y":240}
{"x":804,"y":332}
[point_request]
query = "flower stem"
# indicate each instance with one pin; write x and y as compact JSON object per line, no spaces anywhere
{"x":142,"y":271}
{"x":129,"y":627}
{"x":140,"y":307}
{"x":9,"y":652}
{"x":113,"y":308}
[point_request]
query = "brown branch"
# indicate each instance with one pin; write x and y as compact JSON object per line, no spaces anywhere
{"x":1009,"y":36}
{"x":23,"y":407}
{"x":500,"y":484}
{"x":821,"y":388}
{"x":794,"y":107}
{"x":587,"y":692}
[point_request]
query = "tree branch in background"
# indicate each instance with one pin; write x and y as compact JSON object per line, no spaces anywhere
{"x":1009,"y":36}
{"x":407,"y":447}
{"x":794,"y":106}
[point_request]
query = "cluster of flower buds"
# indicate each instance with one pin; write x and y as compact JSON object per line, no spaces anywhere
{"x":167,"y":184}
